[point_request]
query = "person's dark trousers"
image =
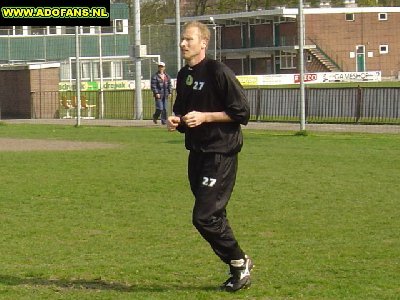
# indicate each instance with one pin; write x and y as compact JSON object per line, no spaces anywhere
{"x":212,"y":177}
{"x":164,"y":116}
{"x":156,"y":114}
{"x":161,"y":110}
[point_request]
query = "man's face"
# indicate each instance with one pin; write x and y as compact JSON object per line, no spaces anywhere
{"x":192,"y":46}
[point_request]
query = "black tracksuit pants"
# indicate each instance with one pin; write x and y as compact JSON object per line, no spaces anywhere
{"x":212,"y":177}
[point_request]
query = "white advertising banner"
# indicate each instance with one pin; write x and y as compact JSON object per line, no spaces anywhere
{"x":245,"y":80}
{"x":107,"y":85}
{"x":278,"y":79}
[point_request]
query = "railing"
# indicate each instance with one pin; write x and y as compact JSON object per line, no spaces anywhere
{"x":118,"y":104}
{"x":323,"y":105}
{"x":329,"y":54}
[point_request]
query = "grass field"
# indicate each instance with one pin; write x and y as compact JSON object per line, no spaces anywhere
{"x":319,"y":214}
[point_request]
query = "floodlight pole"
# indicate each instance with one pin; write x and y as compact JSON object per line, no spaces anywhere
{"x":78,"y":77}
{"x":215,"y":37}
{"x":178,"y":34}
{"x":138,"y":64}
{"x":101,"y":75}
{"x":301,"y":67}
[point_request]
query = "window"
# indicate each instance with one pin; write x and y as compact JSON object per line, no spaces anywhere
{"x":117,"y":69}
{"x":350,"y":17}
{"x":14,"y":30}
{"x":87,"y":29}
{"x":121,"y":26}
{"x":18,"y":30}
{"x":52,"y":30}
{"x":85,"y":70}
{"x":37,"y":30}
{"x":64,"y":71}
{"x":68,"y":72}
{"x":111,"y":70}
{"x":360,"y":49}
{"x":6,"y":30}
{"x":288,"y":60}
{"x":383,"y":49}
{"x":69,"y":30}
{"x":382,"y":17}
{"x":106,"y":69}
{"x":90,"y":70}
{"x":72,"y":71}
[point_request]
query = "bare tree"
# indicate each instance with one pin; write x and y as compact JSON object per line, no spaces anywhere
{"x":200,"y":7}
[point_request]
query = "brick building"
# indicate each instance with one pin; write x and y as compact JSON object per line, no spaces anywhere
{"x":21,"y":86}
{"x":348,"y":39}
{"x":357,"y":39}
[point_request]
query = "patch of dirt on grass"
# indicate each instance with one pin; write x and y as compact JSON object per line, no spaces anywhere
{"x":12,"y":144}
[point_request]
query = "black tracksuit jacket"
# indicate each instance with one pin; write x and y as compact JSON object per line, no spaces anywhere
{"x":210,"y":86}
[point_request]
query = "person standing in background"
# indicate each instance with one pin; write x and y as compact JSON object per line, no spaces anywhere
{"x":162,"y":88}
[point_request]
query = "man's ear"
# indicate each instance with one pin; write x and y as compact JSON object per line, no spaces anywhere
{"x":203,"y":44}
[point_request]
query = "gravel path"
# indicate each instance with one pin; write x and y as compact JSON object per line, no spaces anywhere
{"x":251,"y":125}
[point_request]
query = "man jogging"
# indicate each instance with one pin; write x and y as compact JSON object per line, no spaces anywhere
{"x":210,"y":107}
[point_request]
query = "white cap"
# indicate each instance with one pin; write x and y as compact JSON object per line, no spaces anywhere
{"x":161,"y":64}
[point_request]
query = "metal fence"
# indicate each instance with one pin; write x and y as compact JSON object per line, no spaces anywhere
{"x":323,"y":105}
{"x":327,"y":105}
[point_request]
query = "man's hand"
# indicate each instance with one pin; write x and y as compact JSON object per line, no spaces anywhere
{"x":173,"y":122}
{"x":194,"y":118}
